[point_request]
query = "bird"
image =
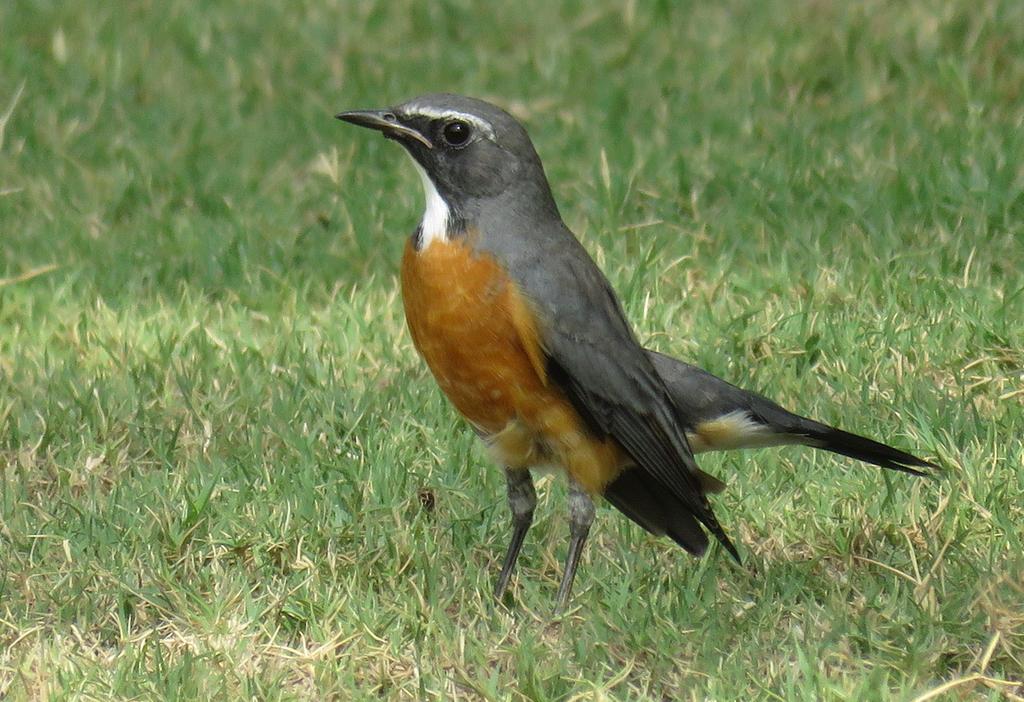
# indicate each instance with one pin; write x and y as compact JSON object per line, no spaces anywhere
{"x":527,"y":339}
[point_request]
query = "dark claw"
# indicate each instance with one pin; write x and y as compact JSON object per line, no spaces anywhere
{"x":581,"y":516}
{"x":522,"y":499}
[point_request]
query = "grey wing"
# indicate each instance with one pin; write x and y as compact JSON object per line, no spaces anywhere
{"x":595,"y":359}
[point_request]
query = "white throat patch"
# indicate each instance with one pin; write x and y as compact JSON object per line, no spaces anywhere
{"x":434,"y":225}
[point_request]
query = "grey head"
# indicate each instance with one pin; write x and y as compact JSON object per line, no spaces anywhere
{"x":471,"y":155}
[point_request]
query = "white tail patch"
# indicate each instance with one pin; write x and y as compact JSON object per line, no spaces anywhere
{"x":436,"y":215}
{"x":734,"y":430}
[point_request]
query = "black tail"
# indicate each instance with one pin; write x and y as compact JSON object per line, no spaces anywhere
{"x":861,"y":448}
{"x":701,"y":397}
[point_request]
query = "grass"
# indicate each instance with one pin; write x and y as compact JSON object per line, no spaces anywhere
{"x":218,"y":448}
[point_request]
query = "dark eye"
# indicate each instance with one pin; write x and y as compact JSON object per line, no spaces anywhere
{"x":456,"y":133}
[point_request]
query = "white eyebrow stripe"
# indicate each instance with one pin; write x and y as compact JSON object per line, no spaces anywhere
{"x":435,"y":113}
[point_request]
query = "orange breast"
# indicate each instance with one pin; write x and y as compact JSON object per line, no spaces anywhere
{"x":478,"y":336}
{"x":459,"y":309}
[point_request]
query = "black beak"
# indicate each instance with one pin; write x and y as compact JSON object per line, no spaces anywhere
{"x":383,"y":121}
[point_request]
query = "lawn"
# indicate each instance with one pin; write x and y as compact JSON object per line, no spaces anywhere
{"x":225,"y":474}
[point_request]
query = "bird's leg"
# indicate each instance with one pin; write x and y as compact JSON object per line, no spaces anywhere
{"x":522,"y":499}
{"x":581,"y":516}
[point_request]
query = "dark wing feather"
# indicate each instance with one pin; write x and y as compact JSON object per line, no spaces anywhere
{"x":638,"y":495}
{"x":596,"y":360}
